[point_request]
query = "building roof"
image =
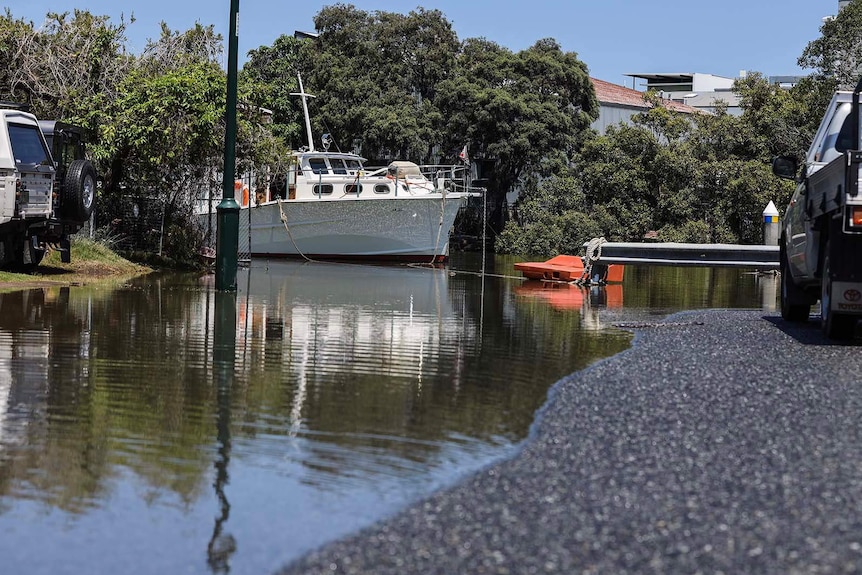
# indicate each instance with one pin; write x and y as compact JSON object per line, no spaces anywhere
{"x":665,"y":76}
{"x":673,"y":77}
{"x":616,"y":95}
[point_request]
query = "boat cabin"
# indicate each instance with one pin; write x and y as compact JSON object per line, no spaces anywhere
{"x":335,"y":175}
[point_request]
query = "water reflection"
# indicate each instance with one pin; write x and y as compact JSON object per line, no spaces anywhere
{"x":232,"y":432}
{"x":222,"y":545}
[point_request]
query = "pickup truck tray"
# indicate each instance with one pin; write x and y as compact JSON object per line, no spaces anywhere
{"x":830,"y":187}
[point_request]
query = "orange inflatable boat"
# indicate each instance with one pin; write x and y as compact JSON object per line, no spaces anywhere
{"x":567,"y":269}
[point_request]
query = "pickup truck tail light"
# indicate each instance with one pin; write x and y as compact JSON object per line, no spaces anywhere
{"x":856,"y":217}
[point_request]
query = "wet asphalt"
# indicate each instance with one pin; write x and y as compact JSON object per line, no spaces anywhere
{"x":721,"y":442}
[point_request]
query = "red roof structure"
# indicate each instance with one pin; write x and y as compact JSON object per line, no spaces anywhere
{"x":616,"y":95}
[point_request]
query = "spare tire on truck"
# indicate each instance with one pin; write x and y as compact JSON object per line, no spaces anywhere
{"x":78,"y":195}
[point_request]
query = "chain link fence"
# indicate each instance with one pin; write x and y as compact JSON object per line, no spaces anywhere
{"x":138,"y":225}
{"x":208,"y":221}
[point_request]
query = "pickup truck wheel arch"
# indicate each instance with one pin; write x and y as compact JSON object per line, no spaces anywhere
{"x":795,"y":303}
{"x":834,"y":325}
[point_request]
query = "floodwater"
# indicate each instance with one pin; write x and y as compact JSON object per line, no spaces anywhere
{"x":161,"y":427}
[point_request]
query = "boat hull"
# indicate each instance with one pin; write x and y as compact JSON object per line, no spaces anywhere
{"x":413,"y":228}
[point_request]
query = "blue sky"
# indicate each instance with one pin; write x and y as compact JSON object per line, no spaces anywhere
{"x":613,"y":37}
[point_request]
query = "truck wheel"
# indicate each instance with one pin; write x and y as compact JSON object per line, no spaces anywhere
{"x":834,"y":325}
{"x":795,"y":303}
{"x":20,"y":254}
{"x":7,"y":252}
{"x":14,"y":252}
{"x":79,"y":191}
{"x":31,"y":256}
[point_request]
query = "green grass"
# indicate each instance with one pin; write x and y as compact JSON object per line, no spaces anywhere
{"x":88,"y":250}
{"x":91,"y":261}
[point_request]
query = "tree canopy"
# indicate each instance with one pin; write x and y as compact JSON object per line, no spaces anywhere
{"x":524,"y":110}
{"x":698,"y":178}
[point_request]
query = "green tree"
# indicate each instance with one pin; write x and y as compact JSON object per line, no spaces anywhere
{"x":163,"y":134}
{"x":734,"y":154}
{"x":162,"y":127}
{"x":692,"y":178}
{"x":774,"y":118}
{"x":67,"y":69}
{"x":376,"y":76}
{"x":616,"y":171}
{"x":402,"y":86}
{"x":836,"y":60}
{"x":551,"y":219}
{"x":266,"y":81}
{"x":524,"y":112}
{"x":836,"y":56}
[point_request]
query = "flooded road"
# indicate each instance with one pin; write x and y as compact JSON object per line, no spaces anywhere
{"x":163,"y":427}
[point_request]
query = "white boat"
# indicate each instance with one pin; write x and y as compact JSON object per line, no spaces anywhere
{"x":330,"y":205}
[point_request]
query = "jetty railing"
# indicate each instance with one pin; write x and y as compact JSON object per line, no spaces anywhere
{"x":682,"y":254}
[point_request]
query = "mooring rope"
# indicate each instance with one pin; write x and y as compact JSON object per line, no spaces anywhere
{"x":286,"y":227}
{"x":592,"y":255}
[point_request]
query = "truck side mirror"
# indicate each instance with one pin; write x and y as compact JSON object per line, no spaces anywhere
{"x":785,"y":167}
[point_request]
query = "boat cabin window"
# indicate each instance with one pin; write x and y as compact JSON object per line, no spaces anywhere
{"x":381,"y":189}
{"x":353,"y":189}
{"x":353,"y":165}
{"x":318,"y":165}
{"x":322,"y":189}
{"x":338,"y":165}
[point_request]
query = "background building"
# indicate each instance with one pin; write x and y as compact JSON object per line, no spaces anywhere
{"x":701,"y":91}
{"x":618,"y":104}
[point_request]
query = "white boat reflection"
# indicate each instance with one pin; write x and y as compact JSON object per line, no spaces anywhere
{"x":326,"y":318}
{"x":358,"y":356}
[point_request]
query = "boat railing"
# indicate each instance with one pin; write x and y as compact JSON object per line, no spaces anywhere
{"x":456,"y":178}
{"x":448,"y":177}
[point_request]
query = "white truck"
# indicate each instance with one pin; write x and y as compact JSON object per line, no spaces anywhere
{"x":821,"y":231}
{"x":42,"y":201}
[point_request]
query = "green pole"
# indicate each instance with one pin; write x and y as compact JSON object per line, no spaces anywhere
{"x":227,"y":212}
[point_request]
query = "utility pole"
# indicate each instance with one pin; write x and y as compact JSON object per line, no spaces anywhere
{"x":227,"y":212}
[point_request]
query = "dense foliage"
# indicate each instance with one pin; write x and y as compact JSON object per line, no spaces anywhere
{"x":693,"y":178}
{"x":393,"y":86}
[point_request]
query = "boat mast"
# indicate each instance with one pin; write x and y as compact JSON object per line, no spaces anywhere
{"x":303,"y":95}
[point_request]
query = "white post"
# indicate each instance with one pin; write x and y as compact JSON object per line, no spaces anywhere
{"x":771,"y":227}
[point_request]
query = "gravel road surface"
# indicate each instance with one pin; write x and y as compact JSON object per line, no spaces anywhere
{"x":721,"y":442}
